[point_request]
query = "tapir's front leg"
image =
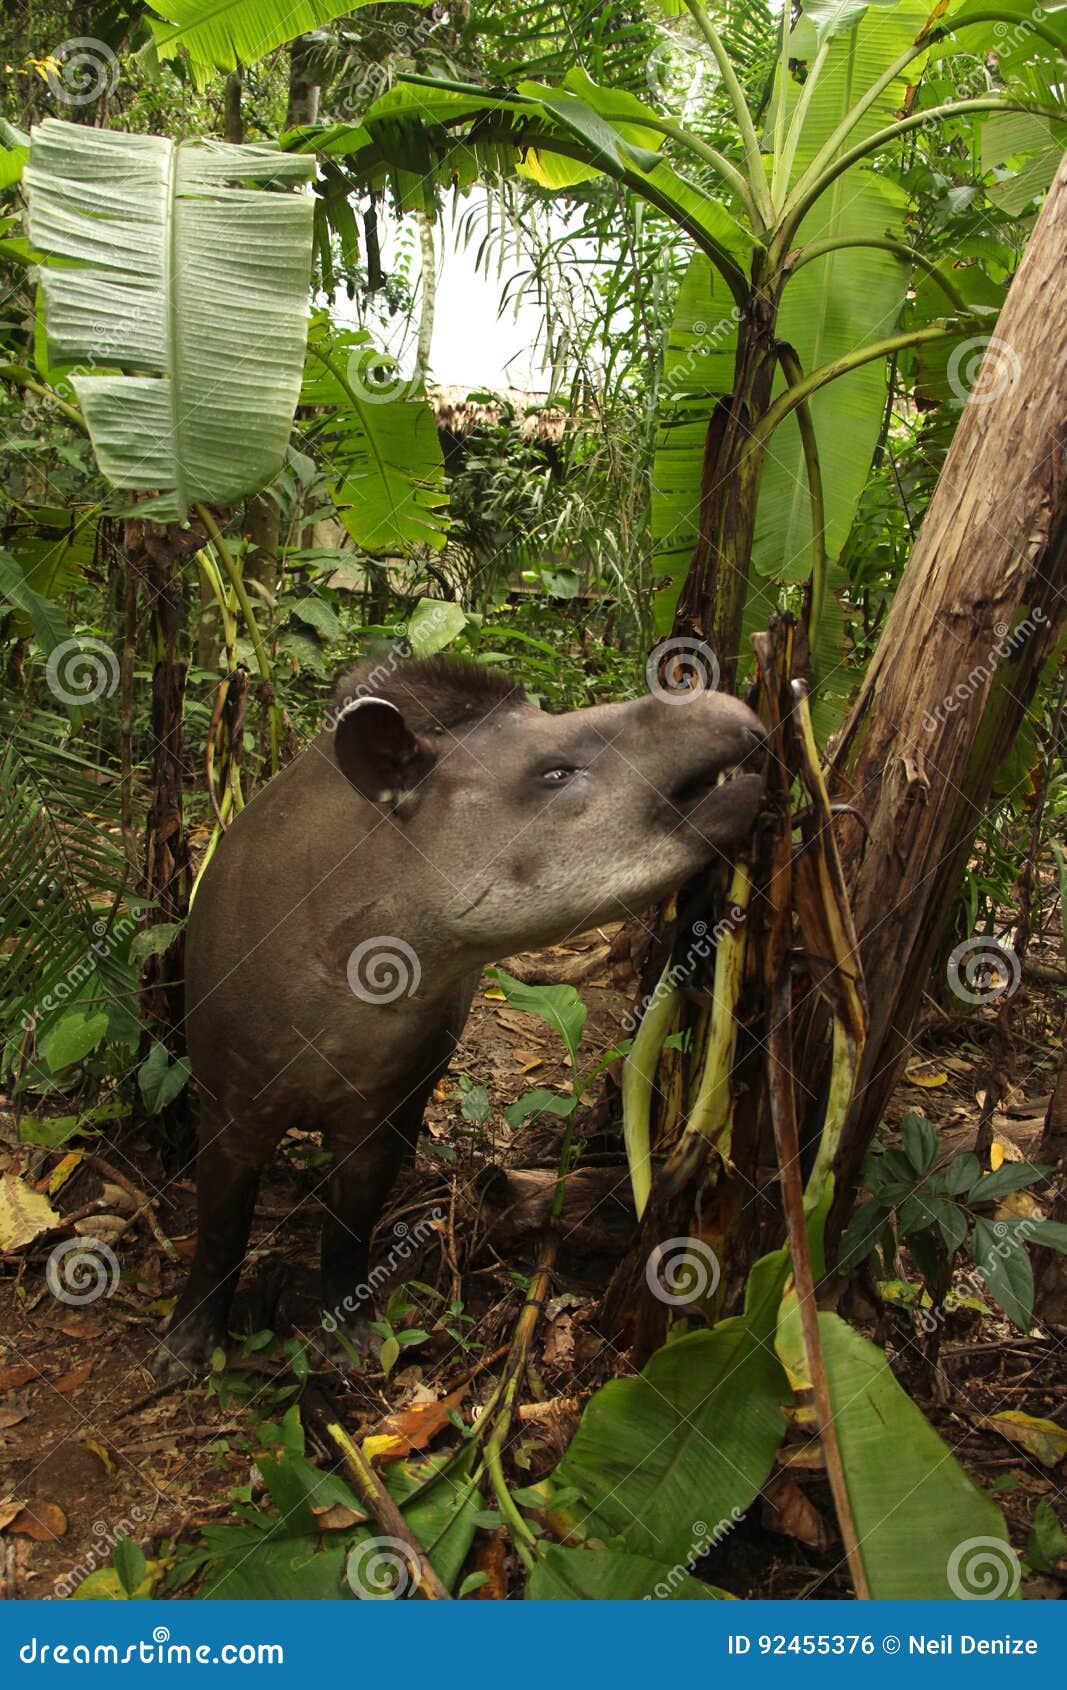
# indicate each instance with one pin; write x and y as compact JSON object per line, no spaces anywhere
{"x":227,"y":1181}
{"x":366,"y":1162}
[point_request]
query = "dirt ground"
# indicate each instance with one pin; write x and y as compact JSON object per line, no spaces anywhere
{"x":90,"y":1448}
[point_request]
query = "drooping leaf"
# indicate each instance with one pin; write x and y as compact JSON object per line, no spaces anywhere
{"x":925,"y":1531}
{"x":191,"y":268}
{"x":379,"y":439}
{"x":682,"y":1450}
{"x":219,"y":34}
{"x":1001,"y":1257}
{"x":559,"y":1006}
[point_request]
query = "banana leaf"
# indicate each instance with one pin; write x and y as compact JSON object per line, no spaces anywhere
{"x":188,"y":287}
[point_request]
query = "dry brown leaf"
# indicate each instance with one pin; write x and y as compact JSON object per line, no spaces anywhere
{"x":71,"y":1381}
{"x":22,"y":1374}
{"x":43,"y":1521}
{"x":787,"y":1510}
{"x":491,"y":1559}
{"x":11,"y":1416}
{"x":80,"y":1324}
{"x":411,"y":1429}
{"x":337,"y":1518}
{"x":559,"y":1341}
{"x":9,"y":1510}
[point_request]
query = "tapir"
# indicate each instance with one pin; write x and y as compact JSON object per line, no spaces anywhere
{"x":439,"y":822}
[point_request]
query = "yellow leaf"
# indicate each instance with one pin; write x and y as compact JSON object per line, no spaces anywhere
{"x":101,"y":1452}
{"x":494,"y":994}
{"x":62,"y":1171}
{"x":24,"y":1213}
{"x":1042,"y":1438}
{"x":925,"y":1074}
{"x":996,"y":1156}
{"x":105,"y":1585}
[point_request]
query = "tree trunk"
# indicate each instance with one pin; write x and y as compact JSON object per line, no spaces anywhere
{"x":979,"y":609}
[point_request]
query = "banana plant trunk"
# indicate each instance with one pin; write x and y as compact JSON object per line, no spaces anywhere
{"x":980,"y":608}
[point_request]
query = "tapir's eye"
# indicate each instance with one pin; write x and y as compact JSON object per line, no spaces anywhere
{"x":554,"y":777}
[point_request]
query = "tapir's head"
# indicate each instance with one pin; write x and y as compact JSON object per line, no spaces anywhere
{"x":506,"y":827}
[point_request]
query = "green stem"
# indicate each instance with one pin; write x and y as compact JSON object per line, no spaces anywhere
{"x":794,"y":374}
{"x":787,"y":402}
{"x":711,"y":1114}
{"x":23,"y":377}
{"x":638,"y":1081}
{"x":802,"y":255}
{"x":780,"y":188}
{"x":798,"y":208}
{"x":746,"y":128}
{"x":233,"y":575}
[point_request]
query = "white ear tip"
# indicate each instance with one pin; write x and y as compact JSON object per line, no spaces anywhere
{"x":355,"y":704}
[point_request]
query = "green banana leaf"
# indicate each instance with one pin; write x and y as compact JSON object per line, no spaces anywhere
{"x":379,"y":438}
{"x":667,"y":1461}
{"x":698,"y":371}
{"x":606,"y":1575}
{"x":219,"y":34}
{"x":189,"y":288}
{"x":836,"y":304}
{"x":925,"y":1530}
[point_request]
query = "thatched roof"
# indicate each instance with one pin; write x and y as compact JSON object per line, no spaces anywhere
{"x":463,"y":411}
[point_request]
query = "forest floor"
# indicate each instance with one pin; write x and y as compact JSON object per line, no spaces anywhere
{"x":91,"y":1448}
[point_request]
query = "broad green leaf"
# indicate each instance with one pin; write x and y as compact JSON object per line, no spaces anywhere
{"x":128,"y":1561}
{"x":608,"y":1575}
{"x":834,"y":17}
{"x":73,"y":1037}
{"x":559,"y":1006}
{"x":286,"y":1569}
{"x":962,"y":1173}
{"x":539,"y":1102}
{"x":836,"y":304}
{"x":153,"y":941}
{"x":219,"y":34}
{"x":160,"y":1079}
{"x":1009,"y":1177}
{"x":951,"y":1222}
{"x":433,"y":625}
{"x":1001,"y":1257}
{"x":1047,"y":1543}
{"x":920,"y":1141}
{"x":49,"y":625}
{"x":683,"y":1449}
{"x":379,"y":438}
{"x":923,"y":1526}
{"x":697,"y":373}
{"x":191,"y":273}
{"x":1052,"y":1234}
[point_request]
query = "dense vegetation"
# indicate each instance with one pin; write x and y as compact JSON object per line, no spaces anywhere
{"x":767,"y":252}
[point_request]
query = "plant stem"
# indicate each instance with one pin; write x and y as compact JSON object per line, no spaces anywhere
{"x":746,"y":128}
{"x":802,"y":255}
{"x":638,"y":1081}
{"x":794,"y":374}
{"x":788,"y":401}
{"x":233,"y":575}
{"x":386,"y":1512}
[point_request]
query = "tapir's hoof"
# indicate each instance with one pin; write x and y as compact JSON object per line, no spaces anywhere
{"x":184,"y":1353}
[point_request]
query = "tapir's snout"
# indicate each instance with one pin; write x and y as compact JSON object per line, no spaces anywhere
{"x":719,"y":761}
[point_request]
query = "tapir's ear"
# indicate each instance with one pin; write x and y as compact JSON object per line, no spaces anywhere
{"x":377,"y":751}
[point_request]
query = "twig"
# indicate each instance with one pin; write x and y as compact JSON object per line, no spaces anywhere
{"x":380,"y":1503}
{"x":144,"y":1203}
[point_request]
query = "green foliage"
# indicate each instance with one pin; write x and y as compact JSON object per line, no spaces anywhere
{"x":943,"y":1217}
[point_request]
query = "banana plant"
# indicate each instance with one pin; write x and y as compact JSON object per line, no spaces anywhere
{"x":775,"y":379}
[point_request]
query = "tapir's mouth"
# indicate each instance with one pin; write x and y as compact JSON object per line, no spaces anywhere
{"x":697,"y":788}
